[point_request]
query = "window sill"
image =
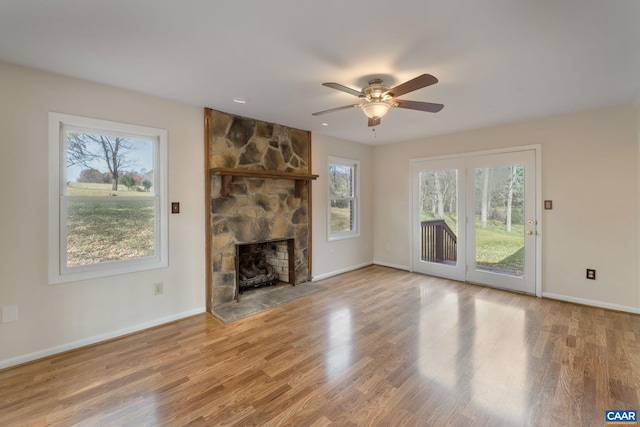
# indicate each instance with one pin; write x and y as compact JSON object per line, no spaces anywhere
{"x":343,"y":236}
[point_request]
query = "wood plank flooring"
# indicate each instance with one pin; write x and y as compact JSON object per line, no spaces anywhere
{"x":379,"y":347}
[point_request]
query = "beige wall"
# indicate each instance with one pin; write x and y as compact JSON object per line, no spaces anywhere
{"x":52,"y":318}
{"x":330,"y":258}
{"x":589,"y":170}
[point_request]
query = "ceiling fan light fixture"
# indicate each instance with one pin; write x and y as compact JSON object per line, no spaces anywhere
{"x":376,"y":109}
{"x":377,"y":98}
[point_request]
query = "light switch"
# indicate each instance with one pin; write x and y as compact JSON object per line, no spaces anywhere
{"x":9,"y":313}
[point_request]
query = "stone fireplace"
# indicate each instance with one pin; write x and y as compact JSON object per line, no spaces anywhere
{"x":258,"y":191}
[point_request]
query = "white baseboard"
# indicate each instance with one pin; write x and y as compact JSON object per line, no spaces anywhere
{"x":96,"y":339}
{"x":396,"y":266}
{"x":592,"y":303}
{"x":335,"y":273}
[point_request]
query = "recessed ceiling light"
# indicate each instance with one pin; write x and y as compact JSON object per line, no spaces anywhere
{"x":240,"y":100}
{"x":324,"y":124}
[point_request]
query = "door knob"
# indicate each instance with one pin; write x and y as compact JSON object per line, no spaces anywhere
{"x":529,"y":233}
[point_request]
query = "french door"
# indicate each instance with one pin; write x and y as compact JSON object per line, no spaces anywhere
{"x":474,"y":219}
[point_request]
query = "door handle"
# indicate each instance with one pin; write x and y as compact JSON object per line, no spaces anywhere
{"x":529,"y":232}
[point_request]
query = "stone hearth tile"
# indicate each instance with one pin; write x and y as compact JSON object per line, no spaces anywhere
{"x":263,"y":299}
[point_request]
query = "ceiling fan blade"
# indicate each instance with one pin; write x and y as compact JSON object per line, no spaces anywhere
{"x":348,"y":90}
{"x":417,"y":105}
{"x":346,"y":107}
{"x":414,"y":84}
{"x":374,"y":121}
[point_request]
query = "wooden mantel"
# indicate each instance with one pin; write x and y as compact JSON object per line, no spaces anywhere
{"x":228,"y":173}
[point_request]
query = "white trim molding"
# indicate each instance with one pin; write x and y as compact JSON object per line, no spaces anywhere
{"x":396,"y":266}
{"x":591,"y":303}
{"x":97,"y":339}
{"x":59,"y":270}
{"x":341,"y":271}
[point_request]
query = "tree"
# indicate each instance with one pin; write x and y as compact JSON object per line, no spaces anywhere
{"x":90,"y":175}
{"x":485,"y":198}
{"x":340,"y":185}
{"x":128,"y":181}
{"x":438,"y":194}
{"x":85,"y":149}
{"x":147,"y":184}
{"x":512,"y":182}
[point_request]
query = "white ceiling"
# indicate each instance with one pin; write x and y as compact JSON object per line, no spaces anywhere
{"x":498,"y":61}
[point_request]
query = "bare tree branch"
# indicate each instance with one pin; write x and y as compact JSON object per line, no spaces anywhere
{"x":85,"y":149}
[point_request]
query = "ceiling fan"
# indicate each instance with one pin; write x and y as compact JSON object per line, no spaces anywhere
{"x":377,"y":98}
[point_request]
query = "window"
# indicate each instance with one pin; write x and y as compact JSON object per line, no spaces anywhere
{"x":343,"y":198}
{"x":107,"y":197}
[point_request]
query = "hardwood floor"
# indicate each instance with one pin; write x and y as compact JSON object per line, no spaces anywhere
{"x":379,"y":347}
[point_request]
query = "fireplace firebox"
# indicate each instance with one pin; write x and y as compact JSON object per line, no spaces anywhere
{"x":264,"y":263}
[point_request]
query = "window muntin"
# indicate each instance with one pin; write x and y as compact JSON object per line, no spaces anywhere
{"x":343,"y":212}
{"x":108,"y":200}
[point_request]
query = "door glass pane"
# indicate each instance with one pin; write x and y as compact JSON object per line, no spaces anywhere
{"x":439,"y":216}
{"x":499,"y":222}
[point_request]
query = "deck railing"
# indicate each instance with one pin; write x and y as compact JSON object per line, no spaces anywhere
{"x":439,"y":243}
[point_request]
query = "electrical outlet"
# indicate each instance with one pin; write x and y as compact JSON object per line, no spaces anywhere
{"x":9,"y":313}
{"x":591,"y":274}
{"x":158,"y":289}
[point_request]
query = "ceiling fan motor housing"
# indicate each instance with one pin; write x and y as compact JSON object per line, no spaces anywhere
{"x":378,"y":99}
{"x":377,"y":91}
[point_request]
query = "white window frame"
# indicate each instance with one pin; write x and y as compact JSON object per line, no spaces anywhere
{"x":355,"y":165}
{"x":59,"y":272}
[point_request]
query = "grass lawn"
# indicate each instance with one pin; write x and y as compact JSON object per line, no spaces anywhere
{"x":99,"y":231}
{"x":340,"y":219}
{"x":495,"y":247}
{"x":91,"y":189}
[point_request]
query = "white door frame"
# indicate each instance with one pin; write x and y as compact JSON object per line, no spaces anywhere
{"x":538,"y":202}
